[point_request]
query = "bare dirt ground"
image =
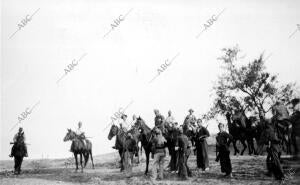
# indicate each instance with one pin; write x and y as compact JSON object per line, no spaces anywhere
{"x":246,"y":170}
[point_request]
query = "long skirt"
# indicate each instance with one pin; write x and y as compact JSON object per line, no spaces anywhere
{"x":225,"y":162}
{"x":202,"y":156}
{"x":273,"y":163}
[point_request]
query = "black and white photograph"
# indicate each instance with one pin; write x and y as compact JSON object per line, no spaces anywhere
{"x":150,"y":92}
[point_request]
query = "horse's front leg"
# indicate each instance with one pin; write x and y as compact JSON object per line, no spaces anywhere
{"x":76,"y":162}
{"x":147,"y":161}
{"x":138,"y":156}
{"x":81,"y":162}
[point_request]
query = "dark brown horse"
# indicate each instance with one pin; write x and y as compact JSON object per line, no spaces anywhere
{"x":18,"y":152}
{"x":79,"y":148}
{"x":120,"y":140}
{"x":237,"y":134}
{"x":146,"y":138}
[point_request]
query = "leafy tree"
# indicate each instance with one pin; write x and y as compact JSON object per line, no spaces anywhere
{"x":249,"y":87}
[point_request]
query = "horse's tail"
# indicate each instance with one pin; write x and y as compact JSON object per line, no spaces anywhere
{"x":86,"y":157}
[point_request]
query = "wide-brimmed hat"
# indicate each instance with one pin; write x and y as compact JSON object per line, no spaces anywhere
{"x":294,"y":101}
{"x":123,"y":115}
{"x":191,"y":110}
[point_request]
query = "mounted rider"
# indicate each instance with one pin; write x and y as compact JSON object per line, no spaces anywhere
{"x":190,"y":118}
{"x":123,"y":128}
{"x":281,"y":117}
{"x":189,"y":125}
{"x":19,"y":138}
{"x":123,"y":123}
{"x":159,"y":121}
{"x":239,"y":118}
{"x":80,"y":134}
{"x":280,"y":113}
{"x":170,"y":120}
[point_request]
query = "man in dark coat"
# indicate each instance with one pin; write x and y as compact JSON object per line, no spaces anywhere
{"x":222,"y":150}
{"x":201,"y":146}
{"x":172,"y":139}
{"x":273,"y":149}
{"x":184,"y":152}
{"x":295,"y":120}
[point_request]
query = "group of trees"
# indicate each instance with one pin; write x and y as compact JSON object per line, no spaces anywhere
{"x":247,"y":87}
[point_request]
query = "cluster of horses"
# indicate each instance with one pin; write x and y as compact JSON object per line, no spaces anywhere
{"x":252,"y":133}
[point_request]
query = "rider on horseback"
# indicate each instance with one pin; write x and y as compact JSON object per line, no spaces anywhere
{"x":281,"y":114}
{"x":239,"y":119}
{"x":123,"y":127}
{"x":80,"y":133}
{"x":189,"y":124}
{"x":159,"y":121}
{"x":19,"y":138}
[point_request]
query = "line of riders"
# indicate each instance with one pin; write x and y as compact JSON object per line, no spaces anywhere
{"x":281,"y":132}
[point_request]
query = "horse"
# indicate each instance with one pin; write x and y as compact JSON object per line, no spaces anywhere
{"x":79,"y":148}
{"x":237,"y":134}
{"x":146,"y":138}
{"x":18,"y":152}
{"x":120,"y":140}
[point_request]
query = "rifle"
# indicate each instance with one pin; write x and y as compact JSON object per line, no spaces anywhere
{"x":12,"y":143}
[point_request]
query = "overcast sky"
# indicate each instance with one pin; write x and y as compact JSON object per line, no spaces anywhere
{"x":116,"y":65}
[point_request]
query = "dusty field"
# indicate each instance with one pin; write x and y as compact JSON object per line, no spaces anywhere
{"x":246,"y":170}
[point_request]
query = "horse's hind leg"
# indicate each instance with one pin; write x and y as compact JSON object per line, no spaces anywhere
{"x":86,"y":158}
{"x":92,"y":159}
{"x":236,"y":150}
{"x":147,"y":161}
{"x":244,"y":145}
{"x":81,"y":161}
{"x":138,"y":156}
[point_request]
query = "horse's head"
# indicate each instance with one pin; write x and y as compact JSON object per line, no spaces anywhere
{"x":113,"y":131}
{"x":69,"y":136}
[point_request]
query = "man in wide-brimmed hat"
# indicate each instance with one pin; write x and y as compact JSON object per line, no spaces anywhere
{"x":190,"y":118}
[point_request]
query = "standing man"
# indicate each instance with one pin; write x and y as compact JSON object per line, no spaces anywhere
{"x":184,"y":152}
{"x":223,"y":140}
{"x":201,"y":146}
{"x":129,"y":149}
{"x":159,"y":154}
{"x":295,"y":119}
{"x":159,"y":121}
{"x":273,"y":149}
{"x":173,"y":134}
